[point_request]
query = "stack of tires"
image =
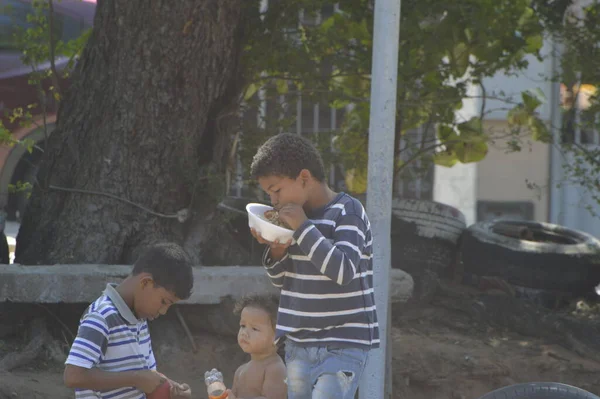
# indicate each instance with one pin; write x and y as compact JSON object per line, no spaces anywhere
{"x":425,"y":236}
{"x":535,"y":258}
{"x":538,"y":260}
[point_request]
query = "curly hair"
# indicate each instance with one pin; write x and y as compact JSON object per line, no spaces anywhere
{"x":286,"y":154}
{"x":268,"y":303}
{"x":170,"y":267}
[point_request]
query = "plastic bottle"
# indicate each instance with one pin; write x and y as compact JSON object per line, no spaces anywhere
{"x":215,"y":385}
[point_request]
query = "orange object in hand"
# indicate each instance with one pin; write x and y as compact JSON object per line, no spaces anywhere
{"x":221,"y":396}
{"x":162,"y":392}
{"x":217,"y":390}
{"x":215,"y":386}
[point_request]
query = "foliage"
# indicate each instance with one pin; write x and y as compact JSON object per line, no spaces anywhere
{"x":444,"y":49}
{"x":38,"y":44}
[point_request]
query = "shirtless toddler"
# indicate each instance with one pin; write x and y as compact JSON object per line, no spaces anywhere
{"x":263,"y":377}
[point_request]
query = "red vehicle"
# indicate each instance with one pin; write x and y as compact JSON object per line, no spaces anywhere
{"x":71,"y":19}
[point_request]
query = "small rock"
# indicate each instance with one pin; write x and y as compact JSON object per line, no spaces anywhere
{"x":401,"y":287}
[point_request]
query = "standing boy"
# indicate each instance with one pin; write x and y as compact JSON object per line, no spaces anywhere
{"x":112,"y":355}
{"x":327,"y":307}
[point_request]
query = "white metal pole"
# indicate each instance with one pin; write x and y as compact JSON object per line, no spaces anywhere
{"x":556,"y":214}
{"x":299,"y":113}
{"x":382,"y":128}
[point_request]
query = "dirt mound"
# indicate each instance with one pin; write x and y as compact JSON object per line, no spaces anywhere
{"x":459,"y":346}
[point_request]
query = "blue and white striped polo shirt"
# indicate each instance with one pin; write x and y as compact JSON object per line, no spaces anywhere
{"x":326,"y":279}
{"x":111,"y":338}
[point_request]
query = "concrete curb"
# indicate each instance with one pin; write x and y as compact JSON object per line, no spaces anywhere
{"x":83,"y":283}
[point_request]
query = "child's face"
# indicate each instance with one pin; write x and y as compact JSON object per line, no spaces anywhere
{"x":256,"y":333}
{"x":151,"y":300}
{"x":284,"y":190}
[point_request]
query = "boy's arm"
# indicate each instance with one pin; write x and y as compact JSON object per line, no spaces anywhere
{"x":337,"y":260}
{"x":177,"y":390}
{"x":86,"y":351}
{"x":276,"y":268}
{"x":99,"y":380}
{"x":151,"y":359}
{"x":91,"y":342}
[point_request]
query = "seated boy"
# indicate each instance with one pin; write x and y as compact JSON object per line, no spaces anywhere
{"x":264,"y":375}
{"x":112,"y":356}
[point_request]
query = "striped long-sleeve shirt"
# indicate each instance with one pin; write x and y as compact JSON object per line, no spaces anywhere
{"x":112,"y":339}
{"x":326,"y":279}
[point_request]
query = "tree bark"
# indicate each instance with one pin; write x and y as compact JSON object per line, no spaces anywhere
{"x":141,"y":122}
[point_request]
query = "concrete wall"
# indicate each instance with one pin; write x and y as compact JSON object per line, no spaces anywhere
{"x":578,"y":208}
{"x":83,"y":283}
{"x":504,"y":177}
{"x":536,"y":76}
{"x":455,"y":186}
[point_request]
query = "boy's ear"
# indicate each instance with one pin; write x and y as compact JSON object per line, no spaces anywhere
{"x":146,"y":281}
{"x":305,"y":175}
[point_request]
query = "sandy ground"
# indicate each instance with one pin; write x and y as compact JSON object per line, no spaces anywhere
{"x":437,"y":354}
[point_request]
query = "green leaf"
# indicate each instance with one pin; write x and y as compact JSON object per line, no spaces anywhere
{"x":339,"y":103}
{"x":446,"y":132}
{"x":460,"y":59}
{"x":468,"y":34}
{"x":518,"y":116}
{"x":471,"y":129}
{"x":445,"y":158}
{"x":328,"y":23}
{"x":282,"y":86}
{"x":532,"y":100}
{"x":526,"y":17}
{"x":356,"y":180}
{"x":467,"y":152}
{"x":534,"y":43}
{"x":539,"y":130}
{"x":539,"y":94}
{"x":250,"y":91}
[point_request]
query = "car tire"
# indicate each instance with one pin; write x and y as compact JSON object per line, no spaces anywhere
{"x":425,"y":235}
{"x":551,"y":258}
{"x":424,"y":241}
{"x":4,"y":250}
{"x":541,"y":390}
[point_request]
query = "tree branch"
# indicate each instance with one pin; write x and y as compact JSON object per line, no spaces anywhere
{"x":52,"y":48}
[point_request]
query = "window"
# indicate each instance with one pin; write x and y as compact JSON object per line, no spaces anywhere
{"x":579,"y":122}
{"x":515,"y":210}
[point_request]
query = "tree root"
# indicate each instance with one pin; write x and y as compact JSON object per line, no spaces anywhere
{"x":39,"y":338}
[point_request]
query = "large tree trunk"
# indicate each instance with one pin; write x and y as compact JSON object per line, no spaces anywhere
{"x":140,"y":122}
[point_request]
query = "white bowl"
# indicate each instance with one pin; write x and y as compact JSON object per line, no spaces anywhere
{"x":267,"y":230}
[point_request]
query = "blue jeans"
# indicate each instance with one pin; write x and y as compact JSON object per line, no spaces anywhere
{"x":322,"y":372}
